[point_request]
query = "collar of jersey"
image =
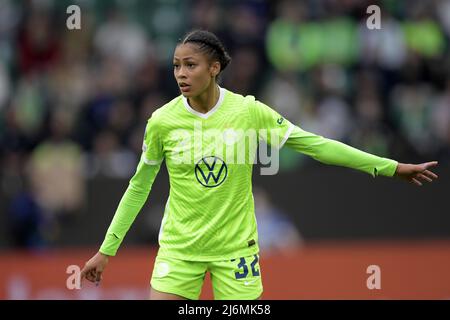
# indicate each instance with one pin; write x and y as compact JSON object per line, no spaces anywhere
{"x":210,"y":112}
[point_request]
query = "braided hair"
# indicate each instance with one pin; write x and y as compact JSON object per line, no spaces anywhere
{"x":210,"y":45}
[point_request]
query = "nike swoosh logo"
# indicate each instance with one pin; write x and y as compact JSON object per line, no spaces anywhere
{"x":249,"y":282}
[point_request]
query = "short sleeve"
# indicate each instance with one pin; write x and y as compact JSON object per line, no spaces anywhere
{"x":273,"y":128}
{"x":152,"y":147}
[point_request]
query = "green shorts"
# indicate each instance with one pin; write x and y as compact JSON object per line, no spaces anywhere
{"x":237,"y":279}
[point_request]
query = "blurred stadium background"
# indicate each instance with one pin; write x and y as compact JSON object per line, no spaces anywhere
{"x":74,"y":103}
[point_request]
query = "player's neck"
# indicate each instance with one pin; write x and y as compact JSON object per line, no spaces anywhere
{"x":205,"y":101}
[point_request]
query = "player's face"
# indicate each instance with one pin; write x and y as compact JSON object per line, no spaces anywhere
{"x":192,"y":69}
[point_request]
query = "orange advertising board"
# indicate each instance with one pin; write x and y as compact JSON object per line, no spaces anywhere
{"x":378,"y":270}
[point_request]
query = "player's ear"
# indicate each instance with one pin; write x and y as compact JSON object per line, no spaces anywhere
{"x":214,"y":68}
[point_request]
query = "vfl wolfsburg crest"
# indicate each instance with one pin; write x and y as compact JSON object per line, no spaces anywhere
{"x":211,"y":171}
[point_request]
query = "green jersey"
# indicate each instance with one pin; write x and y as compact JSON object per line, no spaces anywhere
{"x":209,"y":214}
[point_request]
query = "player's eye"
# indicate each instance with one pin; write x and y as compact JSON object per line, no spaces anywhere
{"x":176,"y":66}
{"x":191,"y":65}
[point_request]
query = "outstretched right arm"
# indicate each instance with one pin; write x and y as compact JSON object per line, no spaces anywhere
{"x":130,"y":204}
{"x":138,"y":189}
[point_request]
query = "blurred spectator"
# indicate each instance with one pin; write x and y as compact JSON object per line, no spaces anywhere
{"x":330,"y":116}
{"x":118,"y":37}
{"x":244,"y":80}
{"x":295,"y":43}
{"x":26,"y":218}
{"x":245,"y":25}
{"x":443,"y":12}
{"x":56,"y":170}
{"x":283,"y":36}
{"x":411,"y":110}
{"x":38,"y":45}
{"x":70,"y":82}
{"x":332,"y":119}
{"x":28,"y":105}
{"x":9,"y":20}
{"x":121,"y":118}
{"x":26,"y":221}
{"x":423,"y":34}
{"x":68,"y":86}
{"x":147,"y":80}
{"x":109,"y":159}
{"x":283,"y":92}
{"x":12,"y":173}
{"x":5,"y":86}
{"x":276,"y":232}
{"x":206,"y":14}
{"x":385,"y":47}
{"x":440,"y":119}
{"x":370,"y":132}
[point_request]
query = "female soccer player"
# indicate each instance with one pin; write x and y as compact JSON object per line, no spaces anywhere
{"x":209,"y":221}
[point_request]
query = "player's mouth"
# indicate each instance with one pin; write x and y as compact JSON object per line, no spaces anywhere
{"x":184,"y":87}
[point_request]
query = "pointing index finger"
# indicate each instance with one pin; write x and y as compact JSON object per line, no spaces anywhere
{"x":431,"y":164}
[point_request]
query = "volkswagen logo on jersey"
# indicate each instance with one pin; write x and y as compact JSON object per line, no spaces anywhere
{"x":211,"y":171}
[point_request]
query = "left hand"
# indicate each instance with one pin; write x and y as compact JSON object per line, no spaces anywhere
{"x":416,"y":173}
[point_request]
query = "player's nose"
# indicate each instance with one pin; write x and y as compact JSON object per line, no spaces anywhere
{"x":180,"y":74}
